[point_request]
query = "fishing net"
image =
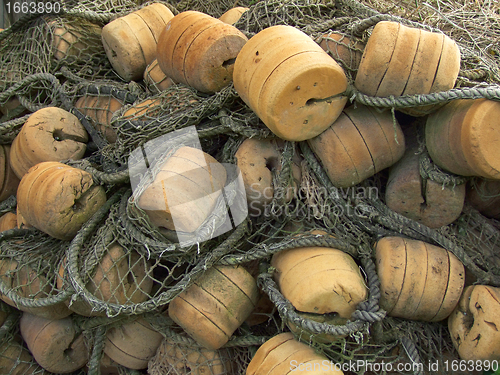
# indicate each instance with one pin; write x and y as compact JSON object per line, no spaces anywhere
{"x":15,"y":358}
{"x":121,"y":266}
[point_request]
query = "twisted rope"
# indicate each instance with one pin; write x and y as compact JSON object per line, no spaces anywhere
{"x":13,"y":125}
{"x":261,"y":251}
{"x":429,"y":170}
{"x":237,"y":127}
{"x":367,"y":312}
{"x":101,"y":178}
{"x":56,"y":90}
{"x":112,"y":309}
{"x":94,"y":363}
{"x":412,"y":352}
{"x":491,"y":92}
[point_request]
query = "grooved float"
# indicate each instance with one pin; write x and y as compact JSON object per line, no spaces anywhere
{"x":132,"y":344}
{"x":463,"y":137}
{"x":100,"y":109}
{"x":401,"y":60}
{"x":278,"y":355}
{"x":121,"y":277}
{"x":130,"y":41}
{"x":58,"y":199}
{"x":359,"y":144}
{"x":199,"y":50}
{"x":422,"y":200}
{"x":292,"y":84}
{"x":216,"y":304}
{"x":55,"y":343}
{"x":418,"y":281}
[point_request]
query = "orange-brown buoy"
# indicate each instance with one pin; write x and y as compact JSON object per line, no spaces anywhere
{"x":55,"y":343}
{"x":473,"y":324}
{"x":401,"y":60}
{"x":199,"y":51}
{"x":462,"y":137}
{"x":100,"y":109}
{"x":184,"y":192}
{"x":58,"y":199}
{"x":282,"y":354}
{"x":359,"y":144}
{"x":423,"y":200}
{"x":132,"y":344}
{"x":292,"y":84}
{"x":130,"y":41}
{"x":49,"y":134}
{"x":8,"y":179}
{"x":320,"y":280}
{"x":418,"y":281}
{"x":217,"y":303}
{"x":154,"y":78}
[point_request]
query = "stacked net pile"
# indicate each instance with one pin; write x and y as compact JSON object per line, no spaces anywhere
{"x":120,"y":274}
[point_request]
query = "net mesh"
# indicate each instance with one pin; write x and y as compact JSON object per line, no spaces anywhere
{"x":120,"y":265}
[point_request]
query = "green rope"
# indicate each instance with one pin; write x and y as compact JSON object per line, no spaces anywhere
{"x":262,"y":250}
{"x":11,"y":322}
{"x":57,"y":91}
{"x":8,"y":205}
{"x":94,"y":363}
{"x":491,"y":92}
{"x":113,"y":310}
{"x":429,"y":170}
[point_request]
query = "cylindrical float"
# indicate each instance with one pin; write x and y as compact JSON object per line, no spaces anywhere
{"x":233,"y":15}
{"x":28,"y":283}
{"x":15,"y":359}
{"x":130,"y":41}
{"x":283,"y":354}
{"x":132,"y":344}
{"x":463,"y":137}
{"x":423,"y":200}
{"x":418,"y":281}
{"x":217,"y":303}
{"x":55,"y":343}
{"x":359,"y":144}
{"x":401,"y":60}
{"x":474,"y":323}
{"x":292,"y":84}
{"x":121,"y":277}
{"x":184,"y":359}
{"x":49,"y":134}
{"x":58,"y":199}
{"x":74,"y":39}
{"x":184,"y":191}
{"x":8,"y":221}
{"x":320,"y":280}
{"x":199,"y":51}
{"x":100,"y":109}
